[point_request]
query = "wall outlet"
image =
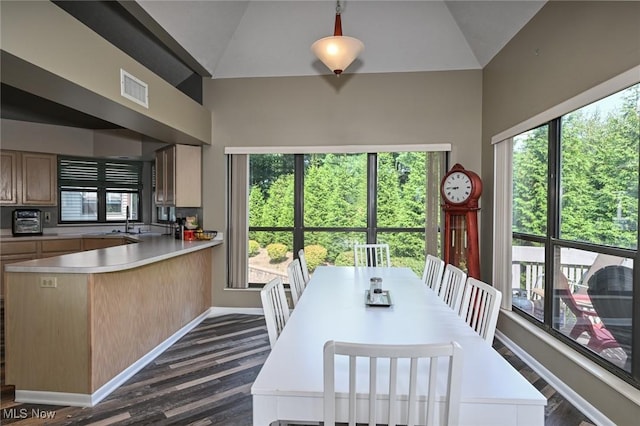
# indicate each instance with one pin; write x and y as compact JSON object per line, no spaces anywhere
{"x":47,"y":217}
{"x":48,"y":282}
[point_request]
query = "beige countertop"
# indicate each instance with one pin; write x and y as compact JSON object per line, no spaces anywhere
{"x":150,"y":248}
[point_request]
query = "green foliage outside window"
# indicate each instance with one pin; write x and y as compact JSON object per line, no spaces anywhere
{"x":335,"y":196}
{"x":277,"y":252}
{"x":254,"y":248}
{"x":598,"y":176}
{"x":315,"y":256}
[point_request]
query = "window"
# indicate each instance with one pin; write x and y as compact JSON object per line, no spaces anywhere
{"x":93,"y":190}
{"x":575,"y":227}
{"x":530,"y":193}
{"x":326,"y":202}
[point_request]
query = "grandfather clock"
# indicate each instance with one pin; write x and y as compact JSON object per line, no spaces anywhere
{"x":460,"y":190}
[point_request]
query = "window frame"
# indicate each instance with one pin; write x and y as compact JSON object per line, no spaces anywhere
{"x":553,"y":242}
{"x":298,"y":229}
{"x":102,"y":182}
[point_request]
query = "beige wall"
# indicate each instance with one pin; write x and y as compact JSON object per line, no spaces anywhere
{"x":363,"y":109}
{"x":38,"y":137}
{"x":49,"y":53}
{"x":567,"y":48}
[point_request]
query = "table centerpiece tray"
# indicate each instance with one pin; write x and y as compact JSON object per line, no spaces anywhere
{"x":382,"y":299}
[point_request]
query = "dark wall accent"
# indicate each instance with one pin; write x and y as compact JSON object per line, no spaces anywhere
{"x":192,"y":84}
{"x":24,"y":106}
{"x":115,"y":24}
{"x":27,"y":77}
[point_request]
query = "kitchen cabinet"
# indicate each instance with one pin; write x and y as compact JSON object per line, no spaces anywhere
{"x":179,"y":176}
{"x":28,"y":178}
{"x":98,"y":243}
{"x":8,"y":177}
{"x":50,"y":248}
{"x":21,"y":250}
{"x":73,"y":342}
{"x":15,"y":251}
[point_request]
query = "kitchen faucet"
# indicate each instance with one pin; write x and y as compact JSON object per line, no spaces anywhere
{"x":126,"y":221}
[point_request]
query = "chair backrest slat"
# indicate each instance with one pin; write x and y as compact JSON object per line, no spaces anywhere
{"x":275,"y":307}
{"x":452,"y":287}
{"x":433,"y":270}
{"x":413,"y":355}
{"x":480,"y":307}
{"x":371,"y":255}
{"x":296,"y":281}
{"x":303,"y":265}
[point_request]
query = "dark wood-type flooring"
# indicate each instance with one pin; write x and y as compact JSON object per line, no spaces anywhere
{"x":205,"y":379}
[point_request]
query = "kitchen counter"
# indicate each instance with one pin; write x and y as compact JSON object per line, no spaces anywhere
{"x":149,"y":248}
{"x":78,"y":325}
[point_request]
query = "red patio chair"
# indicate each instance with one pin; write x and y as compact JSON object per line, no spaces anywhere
{"x":599,"y":337}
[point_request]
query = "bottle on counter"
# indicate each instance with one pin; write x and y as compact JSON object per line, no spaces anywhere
{"x":179,"y":228}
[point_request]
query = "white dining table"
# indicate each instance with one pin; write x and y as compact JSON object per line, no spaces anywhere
{"x":332,"y":307}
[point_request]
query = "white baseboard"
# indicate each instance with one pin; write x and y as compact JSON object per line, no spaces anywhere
{"x":89,"y":400}
{"x":53,"y":398}
{"x":568,"y":393}
{"x":221,"y":310}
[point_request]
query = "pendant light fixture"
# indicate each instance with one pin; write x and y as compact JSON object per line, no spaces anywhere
{"x":337,"y":52}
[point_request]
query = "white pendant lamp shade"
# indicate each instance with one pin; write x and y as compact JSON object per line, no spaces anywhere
{"x":337,"y":52}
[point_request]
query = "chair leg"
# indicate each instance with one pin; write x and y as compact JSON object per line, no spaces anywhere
{"x":577,"y":331}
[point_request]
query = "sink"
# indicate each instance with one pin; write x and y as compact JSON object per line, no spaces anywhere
{"x":114,"y":232}
{"x":149,"y":234}
{"x":117,"y":232}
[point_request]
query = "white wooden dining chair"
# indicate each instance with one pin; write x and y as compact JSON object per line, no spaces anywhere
{"x":433,"y":270}
{"x":401,"y":405}
{"x":372,"y":255}
{"x":480,"y":307}
{"x":276,"y":309}
{"x":452,"y":287}
{"x":296,"y":282}
{"x":303,"y":265}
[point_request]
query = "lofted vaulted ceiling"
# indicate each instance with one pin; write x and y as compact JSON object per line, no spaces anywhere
{"x":182,"y":40}
{"x":264,"y":38}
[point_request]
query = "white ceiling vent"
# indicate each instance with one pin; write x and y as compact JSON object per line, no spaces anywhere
{"x":134,"y":89}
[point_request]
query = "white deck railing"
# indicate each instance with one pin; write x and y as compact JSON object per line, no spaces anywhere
{"x":528,"y":262}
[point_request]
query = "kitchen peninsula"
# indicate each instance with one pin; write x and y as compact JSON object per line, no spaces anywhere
{"x":78,"y":325}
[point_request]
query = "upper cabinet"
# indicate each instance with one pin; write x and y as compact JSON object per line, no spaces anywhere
{"x":179,"y":176}
{"x":28,"y":178}
{"x":8,"y":177}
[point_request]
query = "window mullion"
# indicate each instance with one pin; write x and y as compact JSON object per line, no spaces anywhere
{"x":298,"y":203}
{"x":372,"y":197}
{"x":102,"y":204}
{"x":553,"y":221}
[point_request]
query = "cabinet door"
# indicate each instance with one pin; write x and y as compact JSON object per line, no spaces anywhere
{"x":50,"y":248}
{"x":160,"y":178}
{"x":188,"y":172}
{"x":29,"y":247}
{"x":8,"y":177}
{"x":39,"y":175}
{"x":170,"y":176}
{"x":98,"y":243}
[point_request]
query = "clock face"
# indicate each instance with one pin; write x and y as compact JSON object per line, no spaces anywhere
{"x":457,"y":188}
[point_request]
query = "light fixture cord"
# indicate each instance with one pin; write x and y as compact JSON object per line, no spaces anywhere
{"x":337,"y":29}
